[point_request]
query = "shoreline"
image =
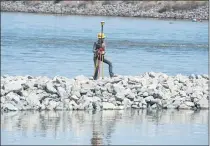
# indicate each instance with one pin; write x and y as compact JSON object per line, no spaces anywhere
{"x":146,"y":18}
{"x":110,"y":10}
{"x":147,"y":91}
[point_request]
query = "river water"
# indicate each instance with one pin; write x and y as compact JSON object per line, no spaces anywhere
{"x":105,"y":127}
{"x":50,"y":45}
{"x":37,"y":44}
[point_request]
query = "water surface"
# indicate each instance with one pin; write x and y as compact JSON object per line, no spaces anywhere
{"x":152,"y":127}
{"x":37,"y":44}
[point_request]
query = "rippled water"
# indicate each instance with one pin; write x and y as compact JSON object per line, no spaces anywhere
{"x":51,"y":45}
{"x":37,"y":44}
{"x":106,"y":127}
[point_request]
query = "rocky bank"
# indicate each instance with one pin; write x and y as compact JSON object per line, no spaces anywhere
{"x":145,"y":9}
{"x":149,"y":90}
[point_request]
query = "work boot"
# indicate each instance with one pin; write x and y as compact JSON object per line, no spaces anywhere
{"x":113,"y":75}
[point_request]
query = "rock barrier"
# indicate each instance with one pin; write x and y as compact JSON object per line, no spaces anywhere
{"x":149,"y":90}
{"x":145,"y":9}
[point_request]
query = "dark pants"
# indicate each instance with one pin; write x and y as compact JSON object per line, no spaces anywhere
{"x":97,"y":67}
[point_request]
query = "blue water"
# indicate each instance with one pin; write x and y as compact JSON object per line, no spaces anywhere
{"x":37,"y":44}
{"x":131,"y":127}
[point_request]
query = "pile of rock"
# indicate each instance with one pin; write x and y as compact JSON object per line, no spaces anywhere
{"x":150,"y":90}
{"x":108,"y":8}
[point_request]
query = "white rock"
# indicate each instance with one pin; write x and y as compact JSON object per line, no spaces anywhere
{"x":13,"y":86}
{"x":2,"y":92}
{"x":149,"y":98}
{"x":50,"y":88}
{"x":203,"y":103}
{"x":152,"y":74}
{"x":118,"y":88}
{"x":81,"y":77}
{"x":74,"y":97}
{"x":145,"y":94}
{"x":9,"y":106}
{"x":205,"y":76}
{"x":43,"y":107}
{"x":144,"y":102}
{"x":182,"y":94}
{"x":96,"y":99}
{"x":154,"y":106}
{"x":13,"y":96}
{"x":184,"y":106}
{"x":135,"y":106}
{"x":2,"y":100}
{"x":190,"y":104}
{"x":76,"y":93}
{"x":107,"y":105}
{"x":120,"y":107}
{"x":131,"y":95}
{"x":119,"y":96}
{"x":52,"y":105}
{"x":33,"y":99}
{"x":62,"y":92}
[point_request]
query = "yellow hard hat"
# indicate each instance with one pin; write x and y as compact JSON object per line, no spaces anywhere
{"x":101,"y":35}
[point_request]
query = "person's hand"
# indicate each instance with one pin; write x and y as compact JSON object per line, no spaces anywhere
{"x":103,"y":45}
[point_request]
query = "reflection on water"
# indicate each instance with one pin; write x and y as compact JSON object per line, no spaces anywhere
{"x":105,"y":127}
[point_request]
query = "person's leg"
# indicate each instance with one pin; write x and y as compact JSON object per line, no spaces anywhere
{"x":110,"y":67}
{"x":95,"y":67}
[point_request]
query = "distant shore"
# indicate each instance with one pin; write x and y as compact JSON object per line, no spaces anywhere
{"x":144,"y":9}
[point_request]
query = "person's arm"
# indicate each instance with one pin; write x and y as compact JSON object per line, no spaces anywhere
{"x":104,"y":47}
{"x":94,"y":47}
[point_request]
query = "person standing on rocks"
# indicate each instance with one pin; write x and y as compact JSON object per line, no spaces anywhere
{"x":99,"y":47}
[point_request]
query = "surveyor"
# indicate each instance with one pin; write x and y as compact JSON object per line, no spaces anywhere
{"x":99,"y":52}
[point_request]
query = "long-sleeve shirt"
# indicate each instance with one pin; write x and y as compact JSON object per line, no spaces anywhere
{"x":97,"y":45}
